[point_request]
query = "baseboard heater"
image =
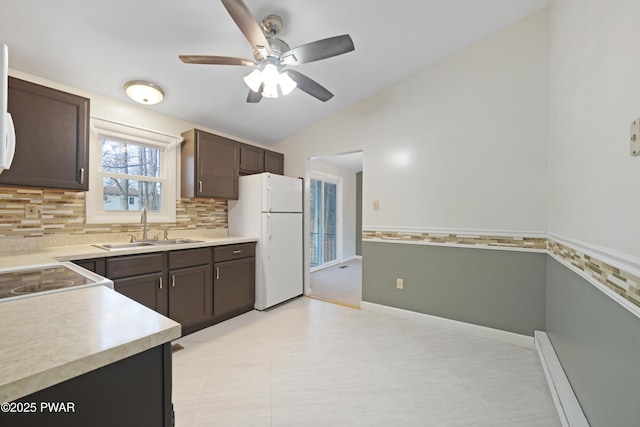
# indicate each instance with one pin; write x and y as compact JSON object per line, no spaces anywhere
{"x":564,"y":398}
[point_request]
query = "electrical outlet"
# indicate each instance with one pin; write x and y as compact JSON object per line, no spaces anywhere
{"x":400,"y":283}
{"x":30,"y":211}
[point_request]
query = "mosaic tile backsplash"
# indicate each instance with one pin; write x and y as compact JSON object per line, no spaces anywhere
{"x":63,"y":213}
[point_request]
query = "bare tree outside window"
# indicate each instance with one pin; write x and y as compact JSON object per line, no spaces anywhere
{"x":131,"y":174}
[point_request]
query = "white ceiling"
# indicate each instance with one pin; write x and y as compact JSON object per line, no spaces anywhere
{"x":349,"y":161}
{"x":99,"y":45}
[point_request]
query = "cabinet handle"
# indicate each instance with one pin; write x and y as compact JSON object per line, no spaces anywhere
{"x":237,"y":251}
{"x":160,"y":282}
{"x":200,"y":186}
{"x":217,"y":273}
{"x":173,"y":280}
{"x":81,"y":175}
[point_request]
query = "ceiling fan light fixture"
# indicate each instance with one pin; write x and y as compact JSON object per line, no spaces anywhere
{"x":270,"y":90}
{"x":270,"y":75}
{"x":286,"y":83}
{"x":254,"y":80}
{"x":144,"y":92}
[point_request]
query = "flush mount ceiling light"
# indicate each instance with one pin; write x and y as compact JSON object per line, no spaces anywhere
{"x":144,"y":92}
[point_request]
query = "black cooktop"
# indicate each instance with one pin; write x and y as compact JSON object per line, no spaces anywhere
{"x":38,"y":279}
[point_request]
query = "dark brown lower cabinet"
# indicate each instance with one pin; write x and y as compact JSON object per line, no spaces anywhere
{"x":190,"y":297}
{"x":234,"y":287}
{"x":195,"y":287}
{"x":133,"y":392}
{"x":147,"y":289}
{"x":141,"y":278}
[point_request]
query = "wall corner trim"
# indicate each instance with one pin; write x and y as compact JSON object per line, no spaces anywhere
{"x":477,"y":330}
{"x":567,"y":405}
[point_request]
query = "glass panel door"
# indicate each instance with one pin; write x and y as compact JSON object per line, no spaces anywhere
{"x":316,"y":223}
{"x":324,"y":215}
{"x":330,"y":222}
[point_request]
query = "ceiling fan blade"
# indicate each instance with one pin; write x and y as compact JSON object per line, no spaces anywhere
{"x":245,"y":20}
{"x":310,"y":86}
{"x":215,"y":60}
{"x":320,"y":49}
{"x":255,"y":97}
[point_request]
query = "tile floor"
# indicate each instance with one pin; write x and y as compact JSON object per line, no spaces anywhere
{"x":313,"y":363}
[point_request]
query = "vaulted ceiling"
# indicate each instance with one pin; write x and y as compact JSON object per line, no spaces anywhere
{"x":99,"y":45}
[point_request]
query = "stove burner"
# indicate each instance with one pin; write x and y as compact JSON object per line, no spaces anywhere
{"x":41,"y":287}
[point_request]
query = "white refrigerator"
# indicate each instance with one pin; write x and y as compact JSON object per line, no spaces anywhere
{"x":269,"y":207}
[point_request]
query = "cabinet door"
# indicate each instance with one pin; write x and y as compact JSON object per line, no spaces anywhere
{"x":190,"y":296}
{"x":273,"y":162}
{"x":148,"y":290}
{"x":95,"y":265}
{"x":217,"y":166}
{"x":251,"y":159}
{"x":234,"y":286}
{"x":52,"y":135}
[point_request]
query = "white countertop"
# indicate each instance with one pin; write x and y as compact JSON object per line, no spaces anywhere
{"x":86,"y":251}
{"x":51,"y":338}
{"x":48,"y":339}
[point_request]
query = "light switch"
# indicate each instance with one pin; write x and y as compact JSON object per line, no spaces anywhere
{"x":376,"y":205}
{"x":635,"y":138}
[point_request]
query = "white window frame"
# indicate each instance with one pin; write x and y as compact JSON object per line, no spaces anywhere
{"x":169,"y":157}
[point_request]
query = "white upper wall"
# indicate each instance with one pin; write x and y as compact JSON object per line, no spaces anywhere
{"x":594,"y":184}
{"x":460,"y":145}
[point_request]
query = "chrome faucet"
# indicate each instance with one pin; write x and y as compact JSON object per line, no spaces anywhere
{"x":143,"y":220}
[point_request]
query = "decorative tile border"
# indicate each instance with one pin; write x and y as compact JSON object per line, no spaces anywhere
{"x":456,"y":238}
{"x":63,"y":213}
{"x":623,"y":283}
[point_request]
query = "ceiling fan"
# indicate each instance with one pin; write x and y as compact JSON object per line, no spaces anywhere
{"x":272,"y":55}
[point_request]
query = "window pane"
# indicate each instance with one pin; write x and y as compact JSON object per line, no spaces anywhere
{"x":130,"y":159}
{"x":131,"y":195}
{"x":330,"y":221}
{"x":316,"y":222}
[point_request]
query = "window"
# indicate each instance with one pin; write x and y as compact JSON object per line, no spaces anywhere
{"x":325,"y":216}
{"x":131,"y":169}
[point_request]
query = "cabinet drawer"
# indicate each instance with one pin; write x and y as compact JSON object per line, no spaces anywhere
{"x":189,"y":258}
{"x":134,"y":265}
{"x":225,"y":253}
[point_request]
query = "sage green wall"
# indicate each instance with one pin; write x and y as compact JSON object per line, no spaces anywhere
{"x":499,"y":289}
{"x":598,"y":343}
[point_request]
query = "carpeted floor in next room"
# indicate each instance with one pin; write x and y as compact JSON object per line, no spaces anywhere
{"x":341,"y":283}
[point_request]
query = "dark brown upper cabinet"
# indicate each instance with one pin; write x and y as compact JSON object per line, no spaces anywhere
{"x":251,"y":159}
{"x":210,"y":165}
{"x":273,"y":162}
{"x":52,"y":138}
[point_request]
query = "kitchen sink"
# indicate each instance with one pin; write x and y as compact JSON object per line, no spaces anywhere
{"x":175,"y":241}
{"x":127,"y":245}
{"x":138,"y":244}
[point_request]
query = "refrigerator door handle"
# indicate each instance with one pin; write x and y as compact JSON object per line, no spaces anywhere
{"x":269,"y":201}
{"x":269,"y":235}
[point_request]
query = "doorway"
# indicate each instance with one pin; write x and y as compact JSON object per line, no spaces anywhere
{"x":324,"y":213}
{"x":334,"y":233}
